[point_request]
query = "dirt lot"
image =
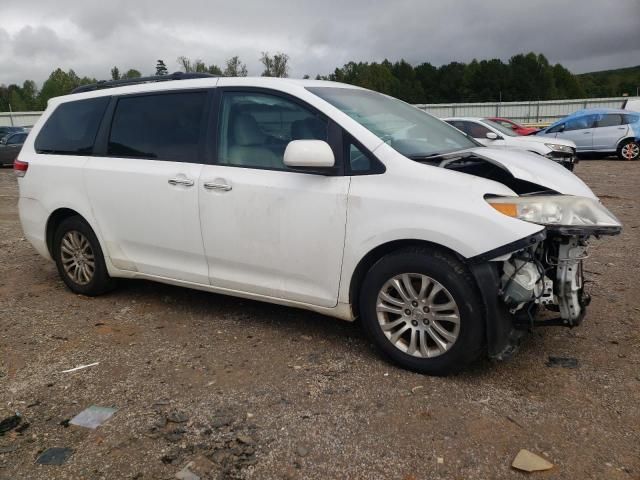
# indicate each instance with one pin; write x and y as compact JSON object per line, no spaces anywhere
{"x":258,"y":391}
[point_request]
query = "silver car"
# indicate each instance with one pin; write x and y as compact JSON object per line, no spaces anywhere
{"x":605,"y":131}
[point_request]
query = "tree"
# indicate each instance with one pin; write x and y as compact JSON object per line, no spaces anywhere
{"x":132,"y":73}
{"x":60,"y":83}
{"x":235,"y":68}
{"x":197,"y":66}
{"x":30,"y":94}
{"x":276,"y":66}
{"x":185,"y":64}
{"x":427,"y":75}
{"x":214,"y":70}
{"x":161,"y":68}
{"x":115,"y":73}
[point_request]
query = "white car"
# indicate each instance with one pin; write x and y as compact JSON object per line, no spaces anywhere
{"x":492,"y":134}
{"x":315,"y":195}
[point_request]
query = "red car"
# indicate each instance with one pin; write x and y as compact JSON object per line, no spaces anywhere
{"x":516,"y":127}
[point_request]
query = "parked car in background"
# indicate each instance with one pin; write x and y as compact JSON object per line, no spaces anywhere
{"x":516,"y":127}
{"x":243,"y":186}
{"x":605,"y":131}
{"x":493,"y":134}
{"x":5,"y":130}
{"x":10,"y":146}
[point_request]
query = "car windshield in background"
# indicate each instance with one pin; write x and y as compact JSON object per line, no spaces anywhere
{"x":409,"y":131}
{"x":501,"y":128}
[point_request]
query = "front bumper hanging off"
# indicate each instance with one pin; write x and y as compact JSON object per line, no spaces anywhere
{"x":517,"y":281}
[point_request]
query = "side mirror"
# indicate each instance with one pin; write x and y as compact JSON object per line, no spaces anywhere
{"x":309,"y":154}
{"x":491,"y":136}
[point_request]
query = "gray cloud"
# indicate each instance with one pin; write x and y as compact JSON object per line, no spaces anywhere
{"x":94,"y":35}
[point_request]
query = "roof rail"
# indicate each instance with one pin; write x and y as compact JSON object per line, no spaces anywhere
{"x":134,"y":81}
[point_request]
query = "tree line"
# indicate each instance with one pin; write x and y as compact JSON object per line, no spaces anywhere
{"x":523,"y":77}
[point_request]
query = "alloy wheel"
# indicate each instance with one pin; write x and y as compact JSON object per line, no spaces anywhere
{"x":630,"y":151}
{"x":418,"y":315}
{"x":77,"y":257}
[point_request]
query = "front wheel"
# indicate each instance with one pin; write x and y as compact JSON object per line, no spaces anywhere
{"x":629,"y":150}
{"x":423,"y":310}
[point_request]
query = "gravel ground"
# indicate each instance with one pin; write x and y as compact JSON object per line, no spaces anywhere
{"x":256,"y":391}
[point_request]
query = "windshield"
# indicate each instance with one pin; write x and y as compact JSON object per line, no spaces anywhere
{"x":501,"y":128}
{"x":409,"y":131}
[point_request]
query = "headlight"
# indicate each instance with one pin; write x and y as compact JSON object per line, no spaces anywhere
{"x":557,"y":210}
{"x":559,"y":148}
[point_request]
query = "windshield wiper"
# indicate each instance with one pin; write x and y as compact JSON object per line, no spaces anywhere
{"x":426,"y":157}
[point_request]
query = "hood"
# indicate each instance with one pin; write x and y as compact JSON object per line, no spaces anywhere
{"x":542,"y":139}
{"x":536,"y":169}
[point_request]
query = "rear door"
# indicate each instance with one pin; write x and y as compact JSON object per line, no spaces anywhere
{"x":143,"y":184}
{"x":267,"y":229}
{"x":610,"y":128}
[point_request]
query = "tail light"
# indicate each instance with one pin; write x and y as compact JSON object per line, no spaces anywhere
{"x":20,"y":168}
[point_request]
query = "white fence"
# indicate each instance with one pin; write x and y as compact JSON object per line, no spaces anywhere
{"x":544,"y":112}
{"x":18,"y":119}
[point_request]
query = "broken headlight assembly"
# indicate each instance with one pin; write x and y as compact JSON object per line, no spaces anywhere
{"x":550,"y":273}
{"x":564,"y":213}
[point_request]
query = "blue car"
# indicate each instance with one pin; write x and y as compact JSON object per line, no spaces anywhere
{"x":607,"y":131}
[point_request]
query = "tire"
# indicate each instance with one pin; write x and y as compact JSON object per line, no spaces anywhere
{"x":629,"y":150}
{"x":424,"y":356}
{"x":79,"y":258}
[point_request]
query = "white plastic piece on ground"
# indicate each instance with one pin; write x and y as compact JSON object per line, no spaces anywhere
{"x":80,"y":367}
{"x":530,"y":462}
{"x":93,"y":416}
{"x":187,"y":474}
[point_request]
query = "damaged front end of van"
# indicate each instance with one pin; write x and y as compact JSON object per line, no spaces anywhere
{"x":538,"y":280}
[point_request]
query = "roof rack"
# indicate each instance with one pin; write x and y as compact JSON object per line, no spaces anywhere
{"x":134,"y":81}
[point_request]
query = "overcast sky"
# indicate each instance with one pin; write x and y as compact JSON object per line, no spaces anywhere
{"x":91,"y":36}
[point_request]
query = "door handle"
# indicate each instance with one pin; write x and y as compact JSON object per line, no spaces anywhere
{"x":622,"y":128}
{"x":222,"y":187}
{"x":186,"y":182}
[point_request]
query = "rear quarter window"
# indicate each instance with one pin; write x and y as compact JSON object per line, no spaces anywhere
{"x":72,"y":127}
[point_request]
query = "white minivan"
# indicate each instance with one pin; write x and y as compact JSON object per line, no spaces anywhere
{"x":311,"y":194}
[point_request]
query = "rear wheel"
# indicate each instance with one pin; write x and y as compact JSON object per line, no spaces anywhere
{"x":422,"y":309}
{"x":79,"y":258}
{"x":629,"y":150}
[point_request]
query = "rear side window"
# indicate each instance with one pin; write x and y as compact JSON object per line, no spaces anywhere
{"x":158,"y":127}
{"x":610,"y":120}
{"x":71,"y":129}
{"x":17,"y":139}
{"x":631,"y":118}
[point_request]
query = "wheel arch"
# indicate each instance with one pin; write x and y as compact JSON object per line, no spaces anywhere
{"x":55,"y":219}
{"x":626,"y":139}
{"x":370,"y":258}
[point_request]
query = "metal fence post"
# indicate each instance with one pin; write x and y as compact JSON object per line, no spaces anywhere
{"x":10,"y":115}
